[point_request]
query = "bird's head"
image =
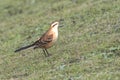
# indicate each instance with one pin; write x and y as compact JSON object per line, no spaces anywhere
{"x":55,"y":24}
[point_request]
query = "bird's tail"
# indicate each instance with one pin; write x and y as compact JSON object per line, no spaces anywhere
{"x":22,"y":48}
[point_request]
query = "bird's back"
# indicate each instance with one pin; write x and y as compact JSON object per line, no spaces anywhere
{"x":47,"y":39}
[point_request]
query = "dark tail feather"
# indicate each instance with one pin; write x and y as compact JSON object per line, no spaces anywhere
{"x":22,"y":48}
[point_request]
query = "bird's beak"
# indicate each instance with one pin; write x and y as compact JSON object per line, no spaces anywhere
{"x":60,"y":25}
{"x":61,"y":21}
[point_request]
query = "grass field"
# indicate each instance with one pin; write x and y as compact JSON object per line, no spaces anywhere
{"x":88,"y":47}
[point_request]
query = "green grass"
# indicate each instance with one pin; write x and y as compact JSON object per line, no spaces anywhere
{"x":88,"y":47}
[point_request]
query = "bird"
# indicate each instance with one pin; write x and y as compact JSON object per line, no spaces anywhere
{"x":46,"y":41}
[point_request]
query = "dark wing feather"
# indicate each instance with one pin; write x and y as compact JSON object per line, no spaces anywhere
{"x":43,"y":40}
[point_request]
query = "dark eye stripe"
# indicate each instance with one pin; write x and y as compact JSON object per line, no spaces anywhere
{"x":54,"y":25}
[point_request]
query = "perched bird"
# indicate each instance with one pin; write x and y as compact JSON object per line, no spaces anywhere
{"x":46,"y":40}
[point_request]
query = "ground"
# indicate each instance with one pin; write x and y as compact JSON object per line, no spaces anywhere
{"x":88,"y":47}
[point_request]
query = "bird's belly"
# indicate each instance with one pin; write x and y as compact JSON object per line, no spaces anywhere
{"x":49,"y":44}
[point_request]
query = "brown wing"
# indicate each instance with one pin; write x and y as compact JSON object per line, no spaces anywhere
{"x":45,"y":39}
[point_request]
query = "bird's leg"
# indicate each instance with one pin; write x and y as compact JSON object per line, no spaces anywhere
{"x":47,"y":52}
{"x":44,"y":52}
